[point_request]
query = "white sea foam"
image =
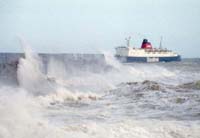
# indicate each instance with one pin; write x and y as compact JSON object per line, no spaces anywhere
{"x":21,"y":116}
{"x":139,"y":129}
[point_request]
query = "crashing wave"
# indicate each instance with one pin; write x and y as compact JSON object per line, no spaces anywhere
{"x":192,"y":85}
{"x":63,"y":95}
{"x":146,"y":85}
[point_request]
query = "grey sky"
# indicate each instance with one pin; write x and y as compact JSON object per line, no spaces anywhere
{"x":94,"y":25}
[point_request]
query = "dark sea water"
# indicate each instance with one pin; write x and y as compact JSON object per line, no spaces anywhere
{"x":92,"y":96}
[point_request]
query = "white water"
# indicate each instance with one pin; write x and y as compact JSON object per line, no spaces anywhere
{"x":60,"y":104}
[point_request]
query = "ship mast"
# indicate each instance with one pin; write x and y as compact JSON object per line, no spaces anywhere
{"x":160,"y":47}
{"x":128,"y":41}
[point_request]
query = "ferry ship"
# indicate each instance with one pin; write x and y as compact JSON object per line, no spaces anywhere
{"x":146,"y":53}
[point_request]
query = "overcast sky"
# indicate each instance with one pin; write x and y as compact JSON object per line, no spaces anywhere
{"x":90,"y":26}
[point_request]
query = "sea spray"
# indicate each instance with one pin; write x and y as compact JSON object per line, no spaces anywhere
{"x":21,"y":116}
{"x":111,"y":60}
{"x":31,"y":77}
{"x":134,"y":72}
{"x":93,"y":105}
{"x":30,"y":72}
{"x":56,"y":69}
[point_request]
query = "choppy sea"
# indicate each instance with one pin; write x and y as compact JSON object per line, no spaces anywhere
{"x":106,"y":99}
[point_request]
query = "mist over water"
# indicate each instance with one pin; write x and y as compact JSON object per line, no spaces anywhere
{"x":59,"y":98}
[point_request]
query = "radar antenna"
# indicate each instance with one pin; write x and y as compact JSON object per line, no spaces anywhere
{"x":128,"y":41}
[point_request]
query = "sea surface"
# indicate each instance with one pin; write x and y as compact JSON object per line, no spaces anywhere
{"x":65,"y":98}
